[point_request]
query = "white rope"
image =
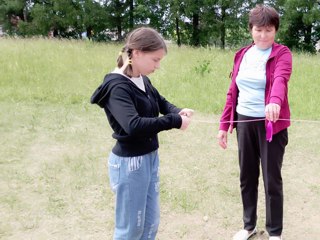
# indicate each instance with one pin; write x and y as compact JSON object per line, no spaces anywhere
{"x":256,"y":120}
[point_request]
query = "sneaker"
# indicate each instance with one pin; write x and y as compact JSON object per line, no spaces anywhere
{"x":245,"y":234}
{"x":275,"y":238}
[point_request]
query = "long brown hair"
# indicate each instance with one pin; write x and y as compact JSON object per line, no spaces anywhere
{"x":144,"y":39}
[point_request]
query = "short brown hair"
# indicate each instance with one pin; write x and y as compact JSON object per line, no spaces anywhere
{"x":262,"y":16}
{"x":145,"y":39}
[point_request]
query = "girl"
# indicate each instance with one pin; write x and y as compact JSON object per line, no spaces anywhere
{"x":132,"y":106}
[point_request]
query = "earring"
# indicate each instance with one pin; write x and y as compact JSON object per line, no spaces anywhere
{"x":130,"y":62}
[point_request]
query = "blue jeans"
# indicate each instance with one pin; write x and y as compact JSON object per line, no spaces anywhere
{"x":135,"y":181}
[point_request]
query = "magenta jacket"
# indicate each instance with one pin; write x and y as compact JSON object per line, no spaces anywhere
{"x":278,"y":71}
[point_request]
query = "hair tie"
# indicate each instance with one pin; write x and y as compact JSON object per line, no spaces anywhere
{"x":120,"y":53}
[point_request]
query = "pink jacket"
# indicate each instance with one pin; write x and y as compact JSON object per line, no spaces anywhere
{"x":278,"y":71}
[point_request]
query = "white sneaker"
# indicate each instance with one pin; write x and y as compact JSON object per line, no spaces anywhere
{"x":245,"y":234}
{"x":275,"y":238}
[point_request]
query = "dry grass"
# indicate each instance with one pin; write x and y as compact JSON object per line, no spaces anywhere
{"x":54,"y":182}
{"x":54,"y":146}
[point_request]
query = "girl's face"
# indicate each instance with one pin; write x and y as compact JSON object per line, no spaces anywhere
{"x":145,"y":63}
{"x":263,"y":37}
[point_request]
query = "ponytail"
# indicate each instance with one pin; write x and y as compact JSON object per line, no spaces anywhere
{"x":120,"y":61}
{"x":120,"y":58}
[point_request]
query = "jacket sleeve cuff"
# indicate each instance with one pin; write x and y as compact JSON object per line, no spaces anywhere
{"x":275,"y":100}
{"x":224,"y":126}
{"x":176,"y":121}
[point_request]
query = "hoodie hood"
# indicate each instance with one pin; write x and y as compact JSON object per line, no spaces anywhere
{"x":100,"y":95}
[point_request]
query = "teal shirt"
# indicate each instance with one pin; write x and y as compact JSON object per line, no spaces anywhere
{"x":251,"y":82}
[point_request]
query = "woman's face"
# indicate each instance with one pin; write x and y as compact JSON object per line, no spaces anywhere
{"x":263,"y":37}
{"x":145,"y":63}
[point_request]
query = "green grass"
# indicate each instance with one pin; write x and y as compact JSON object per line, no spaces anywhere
{"x":54,"y":145}
{"x":66,"y":72}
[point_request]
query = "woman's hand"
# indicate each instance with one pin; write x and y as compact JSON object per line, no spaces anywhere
{"x":223,"y":138}
{"x":186,"y":112}
{"x":272,"y":112}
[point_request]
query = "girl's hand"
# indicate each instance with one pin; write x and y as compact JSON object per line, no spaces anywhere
{"x":186,"y":112}
{"x":185,"y":122}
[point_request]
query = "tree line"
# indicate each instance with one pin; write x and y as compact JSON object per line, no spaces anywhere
{"x":222,"y":23}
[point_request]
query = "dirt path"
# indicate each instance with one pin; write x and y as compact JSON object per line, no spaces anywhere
{"x":54,"y":185}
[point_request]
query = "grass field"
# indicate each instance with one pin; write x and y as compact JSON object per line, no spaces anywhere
{"x":54,"y":145}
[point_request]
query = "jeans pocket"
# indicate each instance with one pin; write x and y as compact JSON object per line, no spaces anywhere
{"x":114,"y":164}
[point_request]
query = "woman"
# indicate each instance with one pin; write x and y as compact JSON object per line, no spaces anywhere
{"x":132,"y":106}
{"x":258,"y":97}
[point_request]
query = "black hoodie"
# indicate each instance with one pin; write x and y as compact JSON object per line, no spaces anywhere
{"x":134,"y":114}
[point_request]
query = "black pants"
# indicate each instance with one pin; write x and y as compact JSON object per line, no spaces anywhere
{"x":254,"y":148}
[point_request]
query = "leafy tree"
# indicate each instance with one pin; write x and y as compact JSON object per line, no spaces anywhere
{"x":12,"y":12}
{"x":95,"y":20}
{"x":222,"y":23}
{"x":301,"y":24}
{"x":175,"y":15}
{"x":118,"y":16}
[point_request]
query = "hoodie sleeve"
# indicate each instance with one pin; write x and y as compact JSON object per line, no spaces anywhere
{"x":100,"y":94}
{"x":165,"y":106}
{"x":121,"y":105}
